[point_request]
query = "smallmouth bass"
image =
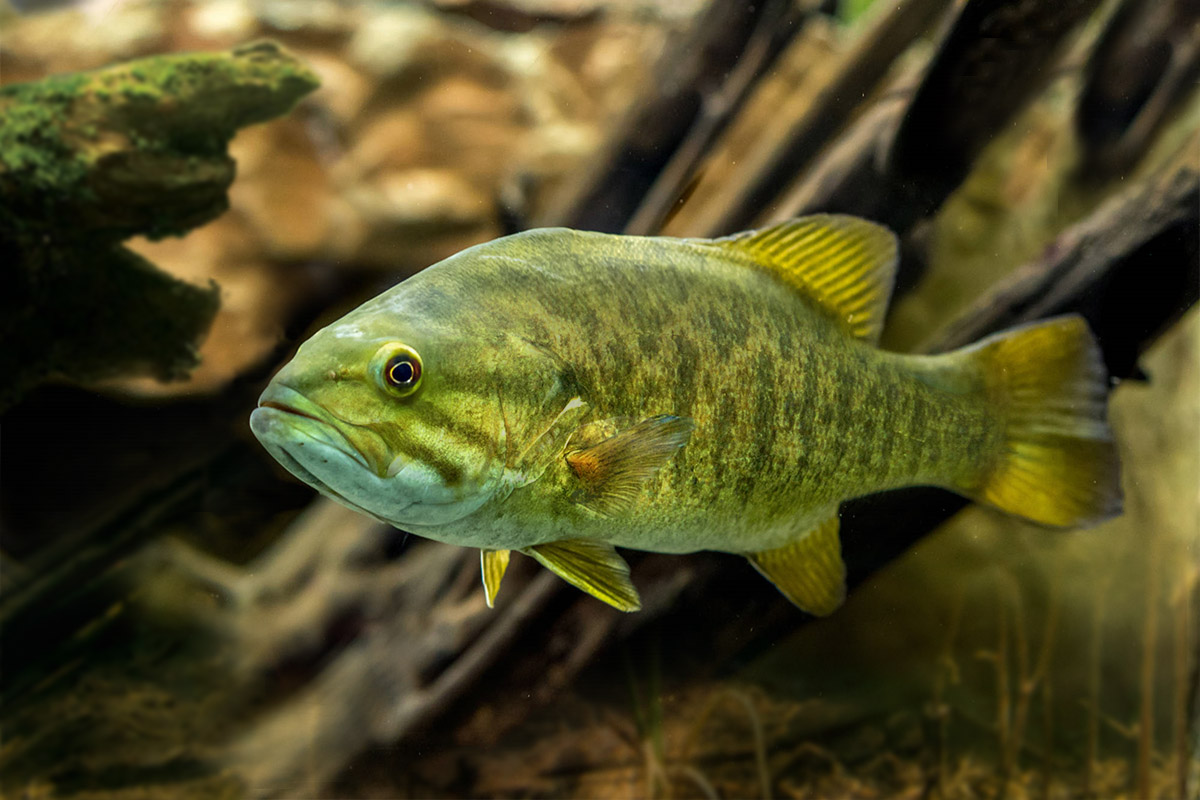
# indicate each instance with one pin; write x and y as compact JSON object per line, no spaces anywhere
{"x":559,"y":393}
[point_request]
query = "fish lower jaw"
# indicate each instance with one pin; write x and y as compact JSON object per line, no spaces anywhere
{"x":432,"y":515}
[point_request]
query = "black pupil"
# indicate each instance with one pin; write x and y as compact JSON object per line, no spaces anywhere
{"x":402,"y":372}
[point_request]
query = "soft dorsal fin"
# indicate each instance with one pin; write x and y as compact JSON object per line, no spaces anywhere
{"x":846,"y":264}
{"x":809,"y":571}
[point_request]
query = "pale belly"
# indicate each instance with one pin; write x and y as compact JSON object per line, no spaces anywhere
{"x":654,"y":528}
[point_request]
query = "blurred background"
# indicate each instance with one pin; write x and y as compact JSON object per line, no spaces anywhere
{"x":181,"y":618}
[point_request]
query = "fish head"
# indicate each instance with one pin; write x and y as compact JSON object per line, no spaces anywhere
{"x":399,"y":420}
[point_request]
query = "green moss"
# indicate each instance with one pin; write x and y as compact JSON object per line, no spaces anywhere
{"x":89,"y":159}
{"x":32,"y":143}
{"x":180,"y":106}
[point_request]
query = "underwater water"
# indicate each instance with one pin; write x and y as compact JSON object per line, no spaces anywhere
{"x":183,"y":617}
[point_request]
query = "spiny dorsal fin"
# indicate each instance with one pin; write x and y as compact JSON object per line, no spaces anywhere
{"x":492,"y":564}
{"x":613,"y":471}
{"x":846,"y":264}
{"x":809,"y":571}
{"x":593,"y":567}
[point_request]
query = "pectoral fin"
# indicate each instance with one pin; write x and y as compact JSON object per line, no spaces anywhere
{"x":493,"y":563}
{"x":593,"y":567}
{"x":613,"y":471}
{"x":809,"y":571}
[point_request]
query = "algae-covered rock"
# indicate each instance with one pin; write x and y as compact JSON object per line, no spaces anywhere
{"x":90,"y":159}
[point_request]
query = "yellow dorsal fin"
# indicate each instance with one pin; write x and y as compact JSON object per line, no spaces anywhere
{"x":846,"y":264}
{"x":809,"y":571}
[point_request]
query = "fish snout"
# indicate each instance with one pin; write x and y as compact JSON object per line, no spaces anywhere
{"x":286,"y":418}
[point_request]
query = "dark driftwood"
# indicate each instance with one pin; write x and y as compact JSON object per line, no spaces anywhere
{"x":1129,"y":268}
{"x":901,"y":160}
{"x":718,"y":108}
{"x":996,"y":57}
{"x":689,"y":77}
{"x":1145,"y":61}
{"x":862,"y":70}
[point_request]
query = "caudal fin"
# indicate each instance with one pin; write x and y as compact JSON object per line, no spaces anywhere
{"x":1058,"y":464}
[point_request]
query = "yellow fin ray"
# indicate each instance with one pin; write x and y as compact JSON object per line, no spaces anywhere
{"x":613,"y":471}
{"x":845,"y":264}
{"x":493,"y":564}
{"x":809,"y":571}
{"x":593,"y":567}
{"x":1058,"y":462}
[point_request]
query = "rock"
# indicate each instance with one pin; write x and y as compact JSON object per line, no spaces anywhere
{"x":283,"y":191}
{"x":71,"y":40}
{"x":344,"y":89}
{"x":395,"y":40}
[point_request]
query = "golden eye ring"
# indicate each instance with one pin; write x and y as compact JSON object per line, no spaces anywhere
{"x":397,"y":369}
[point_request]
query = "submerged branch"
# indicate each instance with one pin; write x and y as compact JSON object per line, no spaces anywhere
{"x":691,"y":79}
{"x":861,"y":70}
{"x":1100,"y":268}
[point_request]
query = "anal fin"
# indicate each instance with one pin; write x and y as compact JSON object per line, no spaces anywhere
{"x":492,"y":564}
{"x":809,"y":570}
{"x":593,"y":567}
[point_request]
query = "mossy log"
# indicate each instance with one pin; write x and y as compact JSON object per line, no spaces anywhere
{"x":90,"y":159}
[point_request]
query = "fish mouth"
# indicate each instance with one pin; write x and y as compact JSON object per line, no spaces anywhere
{"x":286,"y":420}
{"x":288,"y":410}
{"x":313,"y":444}
{"x":293,"y":406}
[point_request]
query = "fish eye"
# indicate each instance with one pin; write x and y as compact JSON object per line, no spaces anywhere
{"x":402,"y":372}
{"x":397,"y":368}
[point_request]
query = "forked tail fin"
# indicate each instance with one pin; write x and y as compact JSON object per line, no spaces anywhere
{"x":1058,"y":463}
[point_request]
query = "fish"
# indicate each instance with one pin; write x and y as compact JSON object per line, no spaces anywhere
{"x":563,"y":393}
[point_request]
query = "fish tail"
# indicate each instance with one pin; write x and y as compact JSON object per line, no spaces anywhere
{"x":1057,"y":462}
